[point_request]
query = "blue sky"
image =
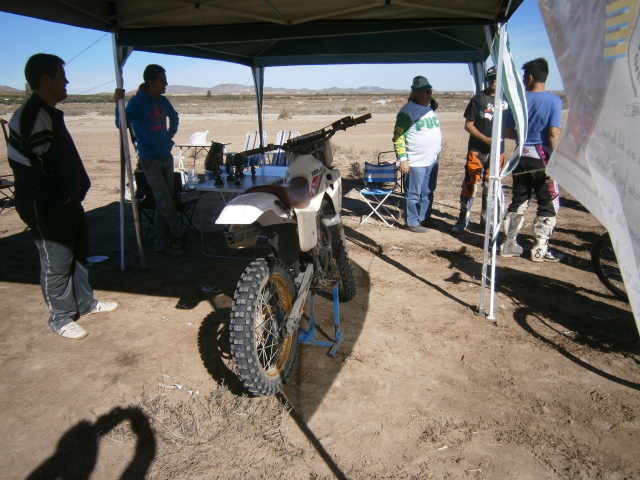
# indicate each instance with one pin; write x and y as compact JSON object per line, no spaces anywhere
{"x":24,"y":36}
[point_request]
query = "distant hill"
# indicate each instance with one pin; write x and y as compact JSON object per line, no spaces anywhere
{"x":237,"y":89}
{"x":5,"y":89}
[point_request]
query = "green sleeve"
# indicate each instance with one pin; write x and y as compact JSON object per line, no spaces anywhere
{"x":403,"y":123}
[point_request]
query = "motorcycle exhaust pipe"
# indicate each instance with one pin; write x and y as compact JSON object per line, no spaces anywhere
{"x":243,"y":237}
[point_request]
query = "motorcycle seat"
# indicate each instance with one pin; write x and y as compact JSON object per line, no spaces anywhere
{"x":294,"y":194}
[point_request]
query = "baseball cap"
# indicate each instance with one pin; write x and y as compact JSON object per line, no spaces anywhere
{"x":491,"y":72}
{"x":420,"y":83}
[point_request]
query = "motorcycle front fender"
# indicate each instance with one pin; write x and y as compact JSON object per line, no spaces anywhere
{"x":260,"y":207}
{"x":307,"y":228}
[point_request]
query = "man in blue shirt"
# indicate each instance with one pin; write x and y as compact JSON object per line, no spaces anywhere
{"x":147,"y":113}
{"x":530,"y":177}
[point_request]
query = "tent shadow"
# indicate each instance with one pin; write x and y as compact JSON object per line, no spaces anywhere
{"x":77,"y":451}
{"x":566,"y":318}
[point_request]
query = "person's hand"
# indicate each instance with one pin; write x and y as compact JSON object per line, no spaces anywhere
{"x":404,"y":167}
{"x":118,"y":94}
{"x":487,"y":140}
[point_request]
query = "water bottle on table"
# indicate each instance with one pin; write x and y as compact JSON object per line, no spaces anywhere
{"x":192,"y":177}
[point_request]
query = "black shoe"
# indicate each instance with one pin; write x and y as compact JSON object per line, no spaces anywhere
{"x":431,"y":223}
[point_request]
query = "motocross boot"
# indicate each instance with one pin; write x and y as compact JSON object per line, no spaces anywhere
{"x":512,"y":223}
{"x":542,"y":230}
{"x":465,"y":214}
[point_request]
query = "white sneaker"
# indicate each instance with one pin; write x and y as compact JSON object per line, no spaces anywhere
{"x":103,"y":307}
{"x":72,"y":330}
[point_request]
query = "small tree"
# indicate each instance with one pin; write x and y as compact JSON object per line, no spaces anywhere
{"x":208,"y":93}
{"x":27,"y":88}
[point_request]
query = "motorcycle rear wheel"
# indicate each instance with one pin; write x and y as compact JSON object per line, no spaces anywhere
{"x":263,"y":352}
{"x":606,"y":267}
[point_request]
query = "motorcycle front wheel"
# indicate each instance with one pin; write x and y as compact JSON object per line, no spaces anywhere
{"x":262,"y":350}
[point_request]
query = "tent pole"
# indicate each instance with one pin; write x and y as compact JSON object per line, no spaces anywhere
{"x":125,"y":159}
{"x":495,"y":187}
{"x":258,"y":83}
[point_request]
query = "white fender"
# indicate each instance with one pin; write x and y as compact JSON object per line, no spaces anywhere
{"x":307,"y":228}
{"x":255,"y":207}
{"x":333,"y":188}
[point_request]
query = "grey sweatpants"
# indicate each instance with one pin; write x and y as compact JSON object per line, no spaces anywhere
{"x":62,"y":237}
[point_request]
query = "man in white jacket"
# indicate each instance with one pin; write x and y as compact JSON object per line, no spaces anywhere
{"x":417,"y":141}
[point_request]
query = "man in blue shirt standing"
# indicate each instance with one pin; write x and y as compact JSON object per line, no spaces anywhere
{"x":530,"y":177}
{"x":147,"y":113}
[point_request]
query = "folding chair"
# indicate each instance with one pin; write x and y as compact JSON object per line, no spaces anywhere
{"x":374,"y":175}
{"x":145,"y":200}
{"x":280,"y":156}
{"x":186,"y":208}
{"x":253,"y":141}
{"x":6,"y":190}
{"x":147,"y":203}
{"x":391,"y":157}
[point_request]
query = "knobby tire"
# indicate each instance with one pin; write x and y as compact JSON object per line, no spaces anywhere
{"x":606,"y":266}
{"x":264,"y":355}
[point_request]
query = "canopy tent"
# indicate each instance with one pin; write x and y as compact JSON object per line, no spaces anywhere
{"x":288,"y":32}
{"x":262,"y":33}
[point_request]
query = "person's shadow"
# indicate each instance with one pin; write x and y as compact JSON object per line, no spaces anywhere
{"x":77,"y":452}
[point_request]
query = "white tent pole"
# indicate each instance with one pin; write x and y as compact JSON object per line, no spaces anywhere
{"x":125,"y":155}
{"x":495,"y":185}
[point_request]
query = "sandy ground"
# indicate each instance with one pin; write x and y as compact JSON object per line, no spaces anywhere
{"x":421,"y":387}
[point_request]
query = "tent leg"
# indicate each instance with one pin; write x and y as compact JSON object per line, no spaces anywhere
{"x":258,"y":83}
{"x":125,"y":159}
{"x":492,"y":228}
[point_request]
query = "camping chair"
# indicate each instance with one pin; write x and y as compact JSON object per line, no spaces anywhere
{"x":147,"y":203}
{"x":391,"y":157}
{"x":253,"y":141}
{"x":280,"y":156}
{"x":6,"y":190}
{"x":374,"y":175}
{"x":145,"y":200}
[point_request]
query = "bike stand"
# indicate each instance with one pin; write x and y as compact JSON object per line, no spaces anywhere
{"x":308,"y":337}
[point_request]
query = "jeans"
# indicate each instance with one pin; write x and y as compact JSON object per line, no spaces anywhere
{"x":61,"y":234}
{"x":420,"y":183}
{"x":159,"y":175}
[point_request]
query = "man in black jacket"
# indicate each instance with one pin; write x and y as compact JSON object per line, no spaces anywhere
{"x":50,"y":185}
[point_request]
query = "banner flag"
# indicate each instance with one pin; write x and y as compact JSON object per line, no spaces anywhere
{"x":596,"y":45}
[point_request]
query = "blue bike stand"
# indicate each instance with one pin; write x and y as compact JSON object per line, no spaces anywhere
{"x":308,"y":337}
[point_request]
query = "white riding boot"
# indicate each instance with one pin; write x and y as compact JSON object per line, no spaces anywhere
{"x":512,"y":224}
{"x":542,"y":230}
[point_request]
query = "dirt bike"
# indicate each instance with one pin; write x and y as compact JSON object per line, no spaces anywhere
{"x":301,"y":221}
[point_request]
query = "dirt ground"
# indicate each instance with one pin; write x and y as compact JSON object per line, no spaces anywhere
{"x":421,"y":387}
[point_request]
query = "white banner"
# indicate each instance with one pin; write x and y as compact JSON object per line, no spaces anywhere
{"x":596,"y":44}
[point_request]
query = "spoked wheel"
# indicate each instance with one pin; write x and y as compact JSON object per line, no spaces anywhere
{"x":606,"y":266}
{"x":262,"y":350}
{"x":342,"y":263}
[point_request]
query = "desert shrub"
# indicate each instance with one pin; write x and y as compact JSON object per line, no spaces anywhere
{"x":285,"y":114}
{"x":346,"y":109}
{"x":362,"y":108}
{"x":355,"y":171}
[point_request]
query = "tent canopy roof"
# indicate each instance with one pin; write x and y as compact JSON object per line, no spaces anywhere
{"x":288,"y":32}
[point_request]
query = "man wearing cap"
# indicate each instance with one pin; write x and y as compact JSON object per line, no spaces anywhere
{"x":530,"y":176}
{"x":479,"y":123}
{"x":417,"y":141}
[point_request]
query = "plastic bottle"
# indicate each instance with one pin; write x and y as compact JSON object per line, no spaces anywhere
{"x":192,"y":177}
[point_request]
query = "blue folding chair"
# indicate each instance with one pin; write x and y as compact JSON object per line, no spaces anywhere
{"x":374,"y":175}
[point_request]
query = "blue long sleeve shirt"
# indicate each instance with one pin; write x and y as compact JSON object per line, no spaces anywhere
{"x":148,"y":119}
